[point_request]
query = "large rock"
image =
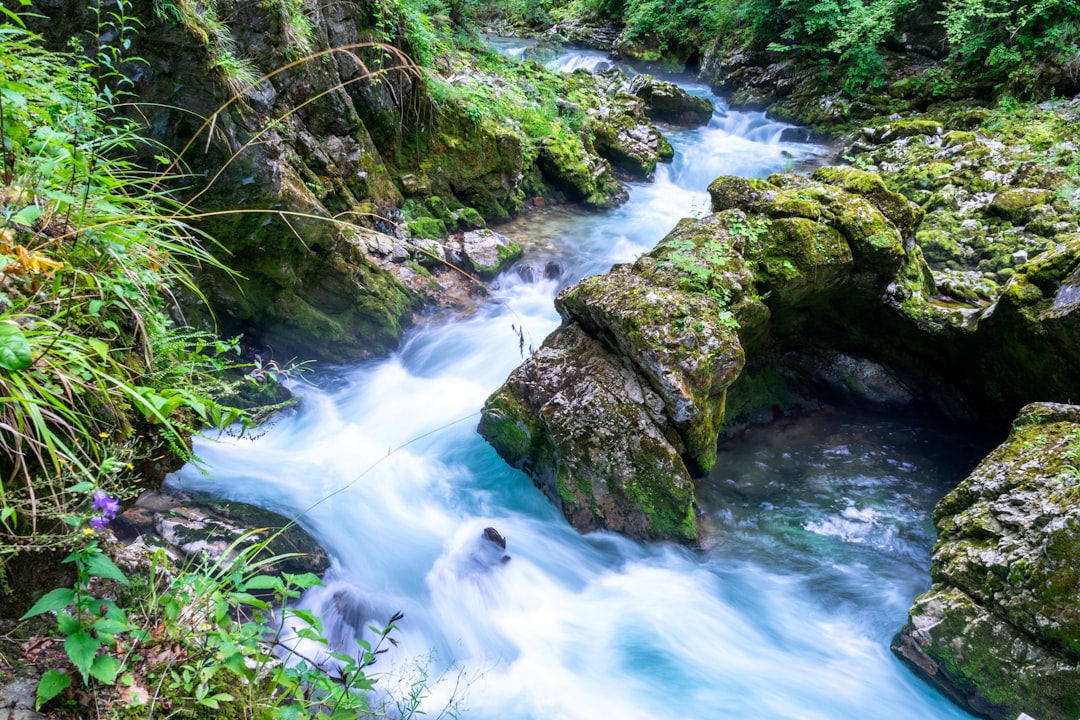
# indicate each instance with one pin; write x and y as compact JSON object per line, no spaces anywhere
{"x":488,"y":253}
{"x":206,"y":531}
{"x":999,"y":631}
{"x":667,"y":102}
{"x":623,"y":404}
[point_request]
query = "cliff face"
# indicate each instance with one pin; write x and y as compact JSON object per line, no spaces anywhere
{"x":316,"y":180}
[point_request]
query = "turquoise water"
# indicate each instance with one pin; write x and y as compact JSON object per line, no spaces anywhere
{"x":819,"y":531}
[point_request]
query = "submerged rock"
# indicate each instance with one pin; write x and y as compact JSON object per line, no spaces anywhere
{"x":999,"y":631}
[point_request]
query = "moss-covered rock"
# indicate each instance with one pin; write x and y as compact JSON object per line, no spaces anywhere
{"x":651,"y":349}
{"x":669,"y":103}
{"x":1016,"y":204}
{"x":900,"y":211}
{"x":875,"y":243}
{"x":1000,"y":629}
{"x":427,"y":228}
{"x":488,"y":253}
{"x":598,"y":451}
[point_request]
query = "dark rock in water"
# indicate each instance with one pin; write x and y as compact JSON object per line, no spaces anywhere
{"x":350,"y":608}
{"x":796,"y":135}
{"x":667,"y":102}
{"x":493,"y":535}
{"x":526,"y":273}
{"x":553,"y":270}
{"x":491,"y":546}
{"x":999,"y":631}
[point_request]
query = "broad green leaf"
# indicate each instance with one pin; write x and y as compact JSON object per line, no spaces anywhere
{"x":263,"y":582}
{"x":108,"y":626}
{"x":52,"y":683}
{"x":86,"y":486}
{"x":27,"y":215}
{"x":105,"y":669}
{"x":94,"y":307}
{"x":67,"y":623}
{"x":303,"y":581}
{"x":15,"y":352}
{"x":81,"y":648}
{"x":99,"y":565}
{"x":250,"y":600}
{"x":52,"y":600}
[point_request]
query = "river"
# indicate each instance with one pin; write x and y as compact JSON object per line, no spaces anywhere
{"x":818,"y":528}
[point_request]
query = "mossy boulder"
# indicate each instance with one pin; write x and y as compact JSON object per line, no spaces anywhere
{"x":599,"y":451}
{"x":1017,"y":204}
{"x":903,"y":129}
{"x":900,"y":211}
{"x":667,"y":102}
{"x":488,"y":253}
{"x":876,"y":245}
{"x":649,"y":350}
{"x":427,"y":228}
{"x":1000,"y":629}
{"x":629,"y":144}
{"x":622,"y":403}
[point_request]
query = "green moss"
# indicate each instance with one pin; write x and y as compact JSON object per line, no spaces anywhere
{"x":468,"y":217}
{"x":427,"y":227}
{"x":902,"y":213}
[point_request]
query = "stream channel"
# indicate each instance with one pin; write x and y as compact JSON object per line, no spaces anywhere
{"x":818,"y":528}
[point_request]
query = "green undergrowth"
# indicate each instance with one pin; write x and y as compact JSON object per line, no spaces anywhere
{"x":1003,"y":43}
{"x":101,"y":382}
{"x":101,"y":388}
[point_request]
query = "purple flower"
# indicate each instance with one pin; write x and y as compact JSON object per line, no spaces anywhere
{"x":105,"y":505}
{"x":98,"y":522}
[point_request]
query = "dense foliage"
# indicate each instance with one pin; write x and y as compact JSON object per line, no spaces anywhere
{"x":1004,"y":41}
{"x":99,"y":381}
{"x":100,"y":389}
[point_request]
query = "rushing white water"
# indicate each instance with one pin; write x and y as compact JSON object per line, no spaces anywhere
{"x":819,"y":532}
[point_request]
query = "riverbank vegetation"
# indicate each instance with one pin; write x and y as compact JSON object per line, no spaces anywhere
{"x":1025,"y":48}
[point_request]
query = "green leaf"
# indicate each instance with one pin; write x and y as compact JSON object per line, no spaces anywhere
{"x":67,"y":623}
{"x":99,"y":565}
{"x":81,"y":648}
{"x":105,"y":669}
{"x":15,"y":352}
{"x":99,"y":346}
{"x":52,"y":600}
{"x":52,"y":683}
{"x":264,"y":582}
{"x":108,"y":626}
{"x":85,"y":486}
{"x":27,"y":215}
{"x":303,"y":581}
